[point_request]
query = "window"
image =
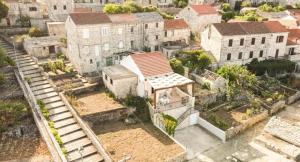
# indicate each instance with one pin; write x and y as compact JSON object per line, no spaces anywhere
{"x":156,"y":25}
{"x":121,"y":44}
{"x":240,"y":55}
{"x":228,"y":56}
{"x":97,"y":50}
{"x":65,"y":7}
{"x":85,"y":33}
{"x":132,"y":44}
{"x":251,"y":54}
{"x":98,"y":64}
{"x":166,"y":33}
{"x":230,"y":42}
{"x":277,"y":53}
{"x":91,"y":61}
{"x":146,"y":26}
{"x":292,"y":51}
{"x":261,"y":53}
{"x":32,"y":9}
{"x":106,"y":47}
{"x":156,"y":37}
{"x":104,"y":31}
{"x":279,"y":39}
{"x":120,"y":31}
{"x":109,"y":61}
{"x":111,"y":82}
{"x":156,"y":48}
{"x":252,"y":41}
{"x":105,"y":77}
{"x":55,"y":7}
{"x":132,"y":29}
{"x":263,"y":40}
{"x":242,"y":42}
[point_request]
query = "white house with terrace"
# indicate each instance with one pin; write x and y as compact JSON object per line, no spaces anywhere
{"x":293,"y":45}
{"x":199,"y":16}
{"x":240,"y":42}
{"x":153,"y":78}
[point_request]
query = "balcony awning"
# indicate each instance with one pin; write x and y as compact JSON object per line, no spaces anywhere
{"x":168,"y":81}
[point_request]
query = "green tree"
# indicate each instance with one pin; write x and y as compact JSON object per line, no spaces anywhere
{"x":177,"y":66}
{"x":226,"y":7}
{"x":246,"y":4}
{"x":180,"y":3}
{"x":204,"y":61}
{"x":3,"y":10}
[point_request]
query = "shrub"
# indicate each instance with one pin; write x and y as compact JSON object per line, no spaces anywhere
{"x":204,"y":61}
{"x":4,"y":59}
{"x":72,"y":100}
{"x":170,"y":124}
{"x":246,"y":4}
{"x":166,"y":15}
{"x":3,"y":10}
{"x":127,"y":7}
{"x":35,"y":32}
{"x":206,"y":85}
{"x":24,"y":21}
{"x":180,"y":3}
{"x":177,"y":66}
{"x":272,"y":67}
{"x":140,"y":103}
{"x":271,"y":8}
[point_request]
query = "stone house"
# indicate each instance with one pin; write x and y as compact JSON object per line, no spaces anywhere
{"x":96,"y":40}
{"x":42,"y":47}
{"x":199,"y":16}
{"x":170,"y":92}
{"x":176,"y":36}
{"x":35,"y":10}
{"x":56,"y":29}
{"x":233,"y":3}
{"x":240,"y":42}
{"x":293,"y":45}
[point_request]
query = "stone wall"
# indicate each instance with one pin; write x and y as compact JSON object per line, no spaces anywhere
{"x":14,"y":31}
{"x":277,"y":106}
{"x":293,"y":98}
{"x":112,"y":115}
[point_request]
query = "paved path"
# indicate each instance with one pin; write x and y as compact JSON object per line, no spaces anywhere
{"x":71,"y":133}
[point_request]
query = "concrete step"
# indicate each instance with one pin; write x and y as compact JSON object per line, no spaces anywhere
{"x":37,"y":79}
{"x":55,"y":105}
{"x":72,"y":146}
{"x":27,"y":68}
{"x":48,"y":95}
{"x":41,"y":87}
{"x":27,"y":64}
{"x":39,"y":83}
{"x":23,"y":59}
{"x":51,"y":99}
{"x":61,"y":116}
{"x":68,"y":129}
{"x":34,"y":75}
{"x":89,"y":150}
{"x":64,"y":123}
{"x":43,"y":91}
{"x":73,"y":136}
{"x":92,"y":158}
{"x":31,"y":72}
{"x":58,"y":110}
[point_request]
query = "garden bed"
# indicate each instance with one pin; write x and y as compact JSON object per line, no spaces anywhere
{"x":139,"y":142}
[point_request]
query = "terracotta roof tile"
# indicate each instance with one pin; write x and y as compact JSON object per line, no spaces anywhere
{"x":119,"y":18}
{"x":204,"y":9}
{"x":152,"y":63}
{"x":89,"y":18}
{"x":82,"y":9}
{"x":175,"y":24}
{"x":294,"y":36}
{"x":244,"y":28}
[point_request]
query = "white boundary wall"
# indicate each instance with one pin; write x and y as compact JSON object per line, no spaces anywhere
{"x":212,"y":129}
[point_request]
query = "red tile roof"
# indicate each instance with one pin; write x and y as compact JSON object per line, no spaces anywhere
{"x":275,"y":26}
{"x":244,"y":28}
{"x":119,"y":18}
{"x":89,"y":18}
{"x":204,"y":9}
{"x":152,"y":63}
{"x":82,"y":9}
{"x":176,"y":24}
{"x":294,"y":36}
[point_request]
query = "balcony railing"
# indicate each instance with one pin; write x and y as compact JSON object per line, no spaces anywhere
{"x":184,"y":101}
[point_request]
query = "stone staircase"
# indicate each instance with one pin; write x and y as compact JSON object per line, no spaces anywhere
{"x":72,"y":134}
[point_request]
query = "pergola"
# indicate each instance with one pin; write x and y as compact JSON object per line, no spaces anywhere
{"x":168,"y":81}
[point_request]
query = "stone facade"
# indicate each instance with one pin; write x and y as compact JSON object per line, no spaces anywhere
{"x":197,"y":21}
{"x":94,"y":46}
{"x":35,"y":10}
{"x":241,"y":49}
